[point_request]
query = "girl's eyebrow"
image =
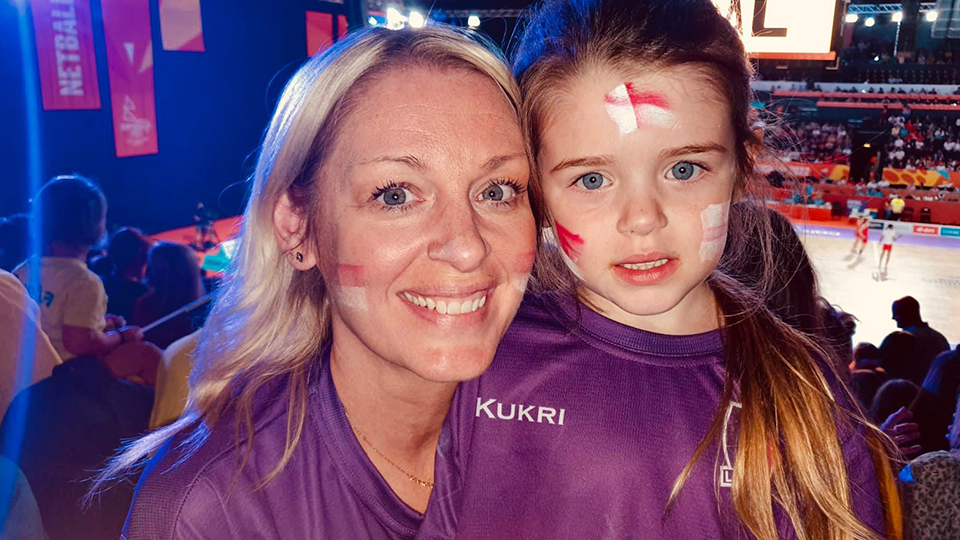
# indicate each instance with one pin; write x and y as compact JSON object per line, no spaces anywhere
{"x":589,"y":161}
{"x":692,"y":149}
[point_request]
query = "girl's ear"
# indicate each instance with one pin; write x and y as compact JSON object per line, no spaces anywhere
{"x":288,"y":229}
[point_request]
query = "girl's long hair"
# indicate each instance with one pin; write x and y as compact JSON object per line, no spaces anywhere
{"x":789,"y":451}
{"x":270,"y":321}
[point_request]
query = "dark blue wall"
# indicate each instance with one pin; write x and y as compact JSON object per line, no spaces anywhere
{"x":212,"y":108}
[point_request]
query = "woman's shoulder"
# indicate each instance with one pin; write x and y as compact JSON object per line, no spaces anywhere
{"x":197,"y":469}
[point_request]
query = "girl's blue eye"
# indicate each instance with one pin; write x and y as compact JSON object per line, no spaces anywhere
{"x":685,"y":171}
{"x":592,"y":181}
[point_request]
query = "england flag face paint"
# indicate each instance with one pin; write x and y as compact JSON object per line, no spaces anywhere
{"x":631,"y":109}
{"x":521,"y":271}
{"x":714,"y":220}
{"x":352,"y":287}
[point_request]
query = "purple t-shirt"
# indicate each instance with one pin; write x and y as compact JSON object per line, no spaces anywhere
{"x":329,"y":489}
{"x":580,"y":432}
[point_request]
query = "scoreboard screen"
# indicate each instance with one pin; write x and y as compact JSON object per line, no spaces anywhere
{"x":802,"y":29}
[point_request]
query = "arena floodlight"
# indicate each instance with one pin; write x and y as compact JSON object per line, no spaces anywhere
{"x":372,"y":21}
{"x":897,"y":17}
{"x":394,"y":19}
{"x":869,"y":21}
{"x":931,"y":15}
{"x":416,"y":19}
{"x":851,"y":18}
{"x":473,"y":21}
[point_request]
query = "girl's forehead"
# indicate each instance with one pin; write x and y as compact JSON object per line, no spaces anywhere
{"x":668,"y":107}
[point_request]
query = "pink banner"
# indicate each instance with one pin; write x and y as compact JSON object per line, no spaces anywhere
{"x":180,"y":25}
{"x":319,"y":32}
{"x":126,"y":27}
{"x":68,"y":65}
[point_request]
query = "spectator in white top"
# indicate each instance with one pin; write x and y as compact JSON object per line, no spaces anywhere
{"x":898,"y":142}
{"x":71,"y":212}
{"x":26,"y":355}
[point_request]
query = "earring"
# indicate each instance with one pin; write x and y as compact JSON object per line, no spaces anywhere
{"x":299,"y":257}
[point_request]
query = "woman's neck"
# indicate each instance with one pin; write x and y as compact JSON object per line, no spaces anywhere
{"x":399,"y":414}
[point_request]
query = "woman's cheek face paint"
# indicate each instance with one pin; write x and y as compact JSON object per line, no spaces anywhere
{"x":521,"y":271}
{"x":352,"y":290}
{"x":714,"y":219}
{"x":631,"y":109}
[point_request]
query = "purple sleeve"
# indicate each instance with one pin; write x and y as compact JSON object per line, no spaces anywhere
{"x":201,"y":515}
{"x":864,"y":484}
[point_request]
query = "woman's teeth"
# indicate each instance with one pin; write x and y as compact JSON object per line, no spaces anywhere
{"x":646,"y":266}
{"x":447,"y":307}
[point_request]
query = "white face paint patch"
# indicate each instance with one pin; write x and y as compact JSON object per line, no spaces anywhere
{"x":714,"y":220}
{"x":631,"y":109}
{"x":550,"y":238}
{"x":519,"y":282}
{"x":353,"y":297}
{"x":351,"y":290}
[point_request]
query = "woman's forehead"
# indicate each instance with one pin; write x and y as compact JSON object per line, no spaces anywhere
{"x":431,"y":111}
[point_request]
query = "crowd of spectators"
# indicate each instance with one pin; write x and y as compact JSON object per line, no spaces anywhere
{"x":882,"y":52}
{"x":110,"y":381}
{"x":915,"y":142}
{"x":93,"y":379}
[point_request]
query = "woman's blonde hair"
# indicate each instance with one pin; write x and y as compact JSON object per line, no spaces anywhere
{"x":789,"y":450}
{"x":270,"y":321}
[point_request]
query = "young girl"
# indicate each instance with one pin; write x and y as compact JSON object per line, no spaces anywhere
{"x":654,"y":396}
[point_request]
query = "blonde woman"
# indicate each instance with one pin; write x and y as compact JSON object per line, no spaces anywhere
{"x":385,"y":249}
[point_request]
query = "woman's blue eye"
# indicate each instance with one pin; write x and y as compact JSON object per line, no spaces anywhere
{"x":685,"y":171}
{"x":494,"y":192}
{"x":394,"y":196}
{"x":591,"y":181}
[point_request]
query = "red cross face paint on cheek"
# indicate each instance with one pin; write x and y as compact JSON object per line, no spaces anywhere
{"x":631,"y":109}
{"x":352,"y":286}
{"x":570,"y":243}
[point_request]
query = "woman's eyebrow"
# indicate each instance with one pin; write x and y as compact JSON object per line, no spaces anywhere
{"x":588,"y":161}
{"x":409,"y":160}
{"x":418,"y":164}
{"x":692,"y":149}
{"x":496,"y":162}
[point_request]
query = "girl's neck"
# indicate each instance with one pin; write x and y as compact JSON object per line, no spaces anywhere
{"x":399,"y":414}
{"x":696,"y":313}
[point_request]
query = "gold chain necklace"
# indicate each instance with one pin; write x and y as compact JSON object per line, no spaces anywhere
{"x":414,"y":479}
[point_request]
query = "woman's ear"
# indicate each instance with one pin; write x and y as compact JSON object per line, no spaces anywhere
{"x":288,"y":228}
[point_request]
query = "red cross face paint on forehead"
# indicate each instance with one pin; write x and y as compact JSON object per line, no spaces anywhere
{"x":631,"y":109}
{"x":569,"y":242}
